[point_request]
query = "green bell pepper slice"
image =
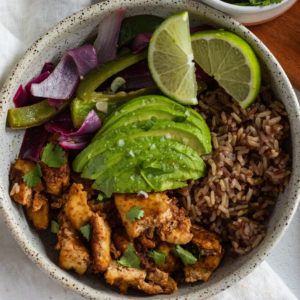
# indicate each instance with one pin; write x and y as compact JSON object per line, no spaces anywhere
{"x":33,"y":115}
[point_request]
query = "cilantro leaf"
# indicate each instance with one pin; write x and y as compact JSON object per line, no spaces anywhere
{"x":54,"y":226}
{"x":130,"y":259}
{"x":158,"y":257}
{"x":86,"y":231}
{"x":186,"y":256}
{"x":33,"y":177}
{"x":135,"y":213}
{"x":53,"y":156}
{"x":100,"y":197}
{"x":106,"y":186}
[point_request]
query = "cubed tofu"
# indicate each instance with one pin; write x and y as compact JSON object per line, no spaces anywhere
{"x":20,"y":192}
{"x":203,"y":268}
{"x":156,"y":282}
{"x":120,"y":239}
{"x":38,"y":201}
{"x":156,"y":211}
{"x":100,"y":244}
{"x":208,"y":243}
{"x":176,"y":230}
{"x":172,"y":262}
{"x":73,"y":254}
{"x":124,"y":277}
{"x":40,"y":217}
{"x":76,"y":208}
{"x":56,"y":179}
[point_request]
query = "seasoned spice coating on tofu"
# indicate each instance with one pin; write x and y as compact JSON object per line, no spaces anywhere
{"x":159,"y":212}
{"x":56,"y":179}
{"x":20,"y":192}
{"x":76,"y":208}
{"x":208,"y":243}
{"x":172,"y":263}
{"x":156,"y":282}
{"x":100,"y":244}
{"x":203,"y":268}
{"x":38,"y":213}
{"x":73,"y":254}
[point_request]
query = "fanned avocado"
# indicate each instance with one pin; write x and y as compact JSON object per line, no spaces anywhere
{"x":139,"y":151}
{"x":181,"y":132}
{"x":150,"y":143}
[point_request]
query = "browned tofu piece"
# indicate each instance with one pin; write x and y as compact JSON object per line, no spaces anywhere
{"x":177,"y":230}
{"x":161,"y":279}
{"x":208,"y":243}
{"x":124,"y":277}
{"x":203,"y":268}
{"x":20,"y":192}
{"x":172,"y":262}
{"x":73,"y":254}
{"x":100,"y":244}
{"x":38,"y":213}
{"x":76,"y":207}
{"x":156,"y":211}
{"x":156,"y":282}
{"x":120,"y":239}
{"x":38,"y":201}
{"x":56,"y":179}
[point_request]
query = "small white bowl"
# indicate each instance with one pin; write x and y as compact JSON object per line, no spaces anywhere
{"x":252,"y":15}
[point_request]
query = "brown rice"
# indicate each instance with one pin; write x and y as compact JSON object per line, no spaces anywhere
{"x":247,"y":169}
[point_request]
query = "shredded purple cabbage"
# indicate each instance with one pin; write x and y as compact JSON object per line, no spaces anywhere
{"x":62,"y":82}
{"x":140,"y":42}
{"x":108,"y":35}
{"x":69,"y":138}
{"x":48,"y":67}
{"x":33,"y":142}
{"x":20,"y":98}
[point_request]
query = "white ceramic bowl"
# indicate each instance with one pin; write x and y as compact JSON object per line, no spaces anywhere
{"x":72,"y":32}
{"x":252,"y":15}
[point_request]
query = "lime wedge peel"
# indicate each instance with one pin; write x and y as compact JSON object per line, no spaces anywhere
{"x":231,"y":61}
{"x":170,"y":59}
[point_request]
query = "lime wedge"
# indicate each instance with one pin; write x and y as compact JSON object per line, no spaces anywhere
{"x":231,"y":61}
{"x":170,"y":59}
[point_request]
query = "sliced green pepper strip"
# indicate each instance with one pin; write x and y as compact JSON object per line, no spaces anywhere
{"x":80,"y":108}
{"x":87,"y":87}
{"x":33,"y":115}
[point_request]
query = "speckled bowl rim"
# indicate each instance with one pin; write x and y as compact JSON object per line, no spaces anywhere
{"x":63,"y":277}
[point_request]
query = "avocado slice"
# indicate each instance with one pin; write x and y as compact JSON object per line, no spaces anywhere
{"x":151,"y":101}
{"x":150,"y":172}
{"x":140,"y":150}
{"x":161,"y":113}
{"x":181,"y":132}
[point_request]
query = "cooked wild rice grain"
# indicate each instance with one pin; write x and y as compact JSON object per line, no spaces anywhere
{"x":247,"y":168}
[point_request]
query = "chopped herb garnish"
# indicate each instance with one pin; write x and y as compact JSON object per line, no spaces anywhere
{"x":53,"y":156}
{"x":106,"y":186}
{"x":186,"y":256}
{"x":100,"y":197}
{"x":33,"y":177}
{"x":130,"y":259}
{"x":86,"y":231}
{"x":180,"y":119}
{"x":148,"y":124}
{"x":54,"y":226}
{"x":158,"y":257}
{"x":135,"y":213}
